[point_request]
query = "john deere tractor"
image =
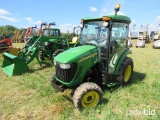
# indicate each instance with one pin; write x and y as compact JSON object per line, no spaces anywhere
{"x":100,"y":60}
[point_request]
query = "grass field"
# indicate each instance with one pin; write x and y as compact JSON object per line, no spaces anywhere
{"x":31,"y":97}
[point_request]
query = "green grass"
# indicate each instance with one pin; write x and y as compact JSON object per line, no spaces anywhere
{"x":30,"y":96}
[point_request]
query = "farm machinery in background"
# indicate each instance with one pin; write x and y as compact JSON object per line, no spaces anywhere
{"x":99,"y":61}
{"x":156,"y":44}
{"x":144,"y":34}
{"x":143,"y":37}
{"x":5,"y":43}
{"x":39,"y":47}
{"x":6,"y":46}
{"x":130,"y":35}
{"x":16,"y":36}
{"x":156,"y":36}
{"x":21,"y":35}
{"x":31,"y":31}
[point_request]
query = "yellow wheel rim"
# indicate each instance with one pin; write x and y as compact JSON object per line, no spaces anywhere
{"x":90,"y":99}
{"x":127,"y":73}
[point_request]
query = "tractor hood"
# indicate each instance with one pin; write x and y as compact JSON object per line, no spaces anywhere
{"x":75,"y":54}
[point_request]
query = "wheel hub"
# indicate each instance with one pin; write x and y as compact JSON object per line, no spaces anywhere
{"x":90,"y":99}
{"x":127,"y":73}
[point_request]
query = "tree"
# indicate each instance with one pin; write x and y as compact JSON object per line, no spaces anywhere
{"x":7,"y":30}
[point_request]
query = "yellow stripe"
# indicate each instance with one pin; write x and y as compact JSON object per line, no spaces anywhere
{"x":82,"y":59}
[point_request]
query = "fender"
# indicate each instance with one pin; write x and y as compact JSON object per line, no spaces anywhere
{"x":125,"y":53}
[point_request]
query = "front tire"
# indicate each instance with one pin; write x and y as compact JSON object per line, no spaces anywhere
{"x":87,"y":95}
{"x":126,"y":70}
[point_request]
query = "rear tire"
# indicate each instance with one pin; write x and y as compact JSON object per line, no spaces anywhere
{"x":126,"y":70}
{"x":42,"y":55}
{"x":87,"y":95}
{"x":56,"y":53}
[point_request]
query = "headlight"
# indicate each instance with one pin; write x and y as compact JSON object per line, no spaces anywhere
{"x":65,"y":66}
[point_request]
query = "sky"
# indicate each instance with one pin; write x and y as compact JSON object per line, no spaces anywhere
{"x":68,"y":13}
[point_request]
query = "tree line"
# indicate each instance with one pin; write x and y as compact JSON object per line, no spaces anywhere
{"x":8,"y":31}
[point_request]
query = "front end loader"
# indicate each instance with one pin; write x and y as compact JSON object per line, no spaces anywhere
{"x":99,"y":61}
{"x":15,"y":65}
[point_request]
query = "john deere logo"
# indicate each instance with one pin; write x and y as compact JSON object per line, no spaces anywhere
{"x":92,"y":55}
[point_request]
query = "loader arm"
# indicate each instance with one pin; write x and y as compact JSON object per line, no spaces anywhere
{"x":28,"y":53}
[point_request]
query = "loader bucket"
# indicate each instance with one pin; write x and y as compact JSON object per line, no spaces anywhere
{"x":12,"y":65}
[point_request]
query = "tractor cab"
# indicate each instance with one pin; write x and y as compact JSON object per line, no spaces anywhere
{"x":109,"y":35}
{"x":48,"y":31}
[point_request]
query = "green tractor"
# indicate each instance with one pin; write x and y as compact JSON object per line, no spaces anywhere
{"x":99,"y":61}
{"x":40,"y":47}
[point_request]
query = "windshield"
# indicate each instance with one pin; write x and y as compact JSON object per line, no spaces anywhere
{"x":94,"y":33}
{"x":51,"y":32}
{"x":54,"y":32}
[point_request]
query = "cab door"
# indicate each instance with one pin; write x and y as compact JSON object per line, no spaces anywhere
{"x":118,"y":43}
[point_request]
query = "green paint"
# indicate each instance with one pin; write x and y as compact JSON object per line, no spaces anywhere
{"x":125,"y":53}
{"x":75,"y":54}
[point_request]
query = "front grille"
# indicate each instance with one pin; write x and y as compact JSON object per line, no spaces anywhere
{"x":66,"y":75}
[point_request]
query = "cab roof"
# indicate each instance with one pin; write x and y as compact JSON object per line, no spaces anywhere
{"x":118,"y":18}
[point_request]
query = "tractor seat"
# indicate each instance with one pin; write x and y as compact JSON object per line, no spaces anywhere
{"x":74,"y":40}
